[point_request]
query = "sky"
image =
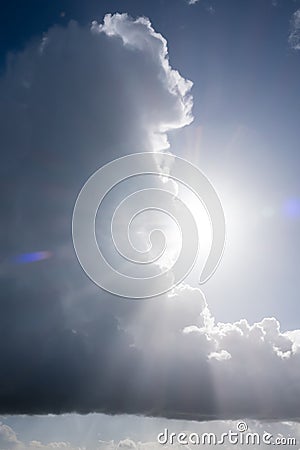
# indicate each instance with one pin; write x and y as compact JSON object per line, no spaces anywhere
{"x":215,"y":82}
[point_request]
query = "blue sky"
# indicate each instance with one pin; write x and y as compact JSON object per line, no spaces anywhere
{"x":74,"y":98}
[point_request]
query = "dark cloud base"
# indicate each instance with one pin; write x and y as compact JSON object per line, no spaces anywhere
{"x":58,"y":358}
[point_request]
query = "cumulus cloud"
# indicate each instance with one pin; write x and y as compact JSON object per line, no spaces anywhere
{"x":76,"y":100}
{"x":143,"y":37}
{"x":294,"y":37}
{"x":10,"y":441}
{"x":8,"y":438}
{"x":230,"y":369}
{"x":81,"y":98}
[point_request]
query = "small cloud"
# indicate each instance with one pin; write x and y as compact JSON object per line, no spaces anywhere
{"x":219,"y":356}
{"x":127,"y":444}
{"x":294,"y":37}
{"x":210,"y":9}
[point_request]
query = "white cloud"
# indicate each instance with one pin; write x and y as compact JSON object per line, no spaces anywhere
{"x":219,"y":356}
{"x":253,"y":368}
{"x":10,"y":441}
{"x":8,"y":438}
{"x":192,"y":2}
{"x":294,"y":37}
{"x":92,"y":93}
{"x":275,"y":430}
{"x":127,"y":444}
{"x":37,"y":445}
{"x":140,"y":35}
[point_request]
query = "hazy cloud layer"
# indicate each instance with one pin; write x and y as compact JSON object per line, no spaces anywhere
{"x":76,"y":101}
{"x":9,"y":440}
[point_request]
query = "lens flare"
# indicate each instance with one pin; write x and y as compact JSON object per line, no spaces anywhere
{"x":26,"y":258}
{"x":292,"y":208}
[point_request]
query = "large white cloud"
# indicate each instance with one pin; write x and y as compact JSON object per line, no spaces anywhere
{"x":71,"y":103}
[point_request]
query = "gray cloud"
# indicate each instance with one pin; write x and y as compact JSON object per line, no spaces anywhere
{"x":163,"y":357}
{"x":71,"y":103}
